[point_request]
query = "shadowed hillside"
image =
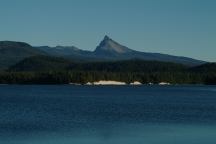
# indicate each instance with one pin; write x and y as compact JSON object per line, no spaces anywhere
{"x":13,"y":52}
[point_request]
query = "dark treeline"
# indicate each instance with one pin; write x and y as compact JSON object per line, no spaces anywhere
{"x":49,"y":70}
{"x":82,"y":77}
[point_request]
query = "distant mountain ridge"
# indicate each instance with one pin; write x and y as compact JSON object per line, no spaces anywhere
{"x":60,"y":50}
{"x":108,"y":50}
{"x":111,"y":49}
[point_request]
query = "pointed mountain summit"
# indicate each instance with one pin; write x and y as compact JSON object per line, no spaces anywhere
{"x":109,"y":46}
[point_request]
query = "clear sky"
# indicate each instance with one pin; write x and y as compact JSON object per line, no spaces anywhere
{"x":178,"y":27}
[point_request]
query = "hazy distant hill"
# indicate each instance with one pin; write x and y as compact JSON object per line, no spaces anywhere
{"x":69,"y":52}
{"x":13,"y":52}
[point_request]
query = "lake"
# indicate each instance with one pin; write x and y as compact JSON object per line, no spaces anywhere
{"x":65,"y":114}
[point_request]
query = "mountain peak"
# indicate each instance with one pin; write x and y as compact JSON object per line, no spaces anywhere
{"x":107,"y":38}
{"x":107,"y":45}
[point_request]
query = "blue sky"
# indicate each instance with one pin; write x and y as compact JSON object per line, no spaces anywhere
{"x":178,"y":27}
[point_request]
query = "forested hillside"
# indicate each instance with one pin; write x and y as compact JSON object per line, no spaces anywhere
{"x":54,"y":70}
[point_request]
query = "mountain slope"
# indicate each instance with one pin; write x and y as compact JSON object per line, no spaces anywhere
{"x":45,"y":63}
{"x":41,"y":63}
{"x":13,"y":52}
{"x":110,"y":49}
{"x":205,"y":68}
{"x":69,"y":52}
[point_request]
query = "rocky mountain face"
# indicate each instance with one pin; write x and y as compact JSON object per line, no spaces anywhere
{"x":109,"y":47}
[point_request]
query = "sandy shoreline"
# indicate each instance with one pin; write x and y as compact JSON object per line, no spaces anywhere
{"x":109,"y":82}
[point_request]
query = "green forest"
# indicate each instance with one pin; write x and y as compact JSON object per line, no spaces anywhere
{"x":52,"y":70}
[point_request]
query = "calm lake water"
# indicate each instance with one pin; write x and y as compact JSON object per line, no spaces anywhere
{"x":107,"y":114}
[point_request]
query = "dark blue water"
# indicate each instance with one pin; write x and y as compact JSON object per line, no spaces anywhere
{"x":107,"y":114}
